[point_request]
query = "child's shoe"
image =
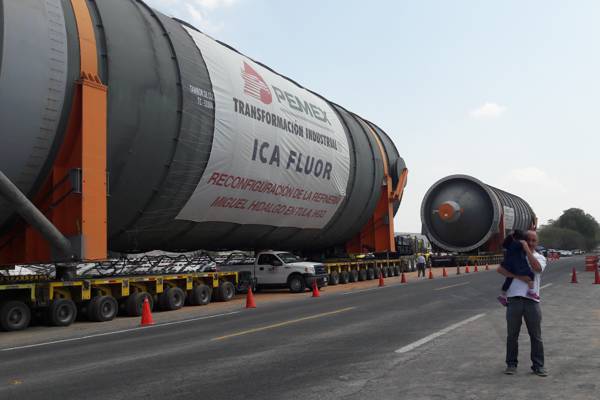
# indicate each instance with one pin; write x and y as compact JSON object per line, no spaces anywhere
{"x":503,"y":300}
{"x":533,"y":295}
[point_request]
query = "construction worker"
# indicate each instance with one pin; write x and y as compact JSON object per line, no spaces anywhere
{"x":421,"y":262}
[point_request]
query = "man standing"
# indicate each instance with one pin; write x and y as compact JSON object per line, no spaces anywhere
{"x":522,"y":307}
{"x":420,"y":265}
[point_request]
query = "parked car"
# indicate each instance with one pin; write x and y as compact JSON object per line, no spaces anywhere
{"x":276,"y":269}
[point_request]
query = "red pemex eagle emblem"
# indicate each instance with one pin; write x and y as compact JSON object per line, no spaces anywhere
{"x":255,"y":86}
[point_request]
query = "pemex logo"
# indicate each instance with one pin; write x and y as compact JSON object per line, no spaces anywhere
{"x":255,"y":85}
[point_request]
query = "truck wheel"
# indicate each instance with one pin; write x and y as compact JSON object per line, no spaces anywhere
{"x":344,"y":277}
{"x":134,"y":304}
{"x":14,"y":316}
{"x":354,"y":276}
{"x":334,"y":278}
{"x":362,"y":275}
{"x":296,"y":283}
{"x":370,"y":274}
{"x":226,"y":291}
{"x":396,"y":271}
{"x":200,"y":295}
{"x":171,"y":299}
{"x":62,"y":312}
{"x":102,"y":309}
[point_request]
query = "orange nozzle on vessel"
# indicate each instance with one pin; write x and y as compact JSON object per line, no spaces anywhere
{"x":446,"y":211}
{"x":449,"y":211}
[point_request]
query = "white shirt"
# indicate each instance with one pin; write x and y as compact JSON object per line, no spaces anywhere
{"x":420,"y":260}
{"x":520,"y":288}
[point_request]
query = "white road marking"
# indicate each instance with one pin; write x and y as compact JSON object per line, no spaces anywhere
{"x":437,"y":334}
{"x":546,"y":285}
{"x":117,"y":332}
{"x":451,"y":286}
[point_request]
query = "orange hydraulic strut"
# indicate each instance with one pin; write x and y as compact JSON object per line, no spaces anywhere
{"x":79,"y":211}
{"x":378,"y":234}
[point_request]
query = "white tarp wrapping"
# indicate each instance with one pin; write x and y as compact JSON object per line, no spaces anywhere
{"x":279,"y":155}
{"x":509,"y":218}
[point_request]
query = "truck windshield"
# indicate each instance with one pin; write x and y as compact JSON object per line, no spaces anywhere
{"x":288,"y":257}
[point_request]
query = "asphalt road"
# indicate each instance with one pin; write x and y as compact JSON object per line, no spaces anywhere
{"x":311,"y":348}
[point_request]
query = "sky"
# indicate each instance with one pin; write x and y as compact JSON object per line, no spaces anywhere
{"x":506,"y":91}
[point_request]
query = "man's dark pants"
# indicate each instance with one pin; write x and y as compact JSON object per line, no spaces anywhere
{"x":420,"y":270}
{"x":519,"y":308}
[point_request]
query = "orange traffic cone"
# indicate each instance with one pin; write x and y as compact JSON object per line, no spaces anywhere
{"x":250,"y":298}
{"x":458,"y":270}
{"x":487,"y":267}
{"x":146,"y":314}
{"x":476,"y":269}
{"x":574,"y":276}
{"x":597,"y":277}
{"x":315,"y":289}
{"x":403,"y":278}
{"x":467,"y":271}
{"x":381,"y":281}
{"x":444,"y":273}
{"x":430,"y":274}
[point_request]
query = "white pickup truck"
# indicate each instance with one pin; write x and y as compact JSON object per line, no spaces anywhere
{"x":276,"y":269}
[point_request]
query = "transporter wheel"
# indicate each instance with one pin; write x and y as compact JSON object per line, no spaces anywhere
{"x":370,"y":274}
{"x":171,"y":299}
{"x":384,"y":272}
{"x":62,"y":312}
{"x":135,"y":303}
{"x":296,"y":283}
{"x":334,"y":278}
{"x":14,"y":316}
{"x":353,"y":276}
{"x":226,"y":291}
{"x":362,"y":275}
{"x":102,"y":309}
{"x":344,"y":277}
{"x":200,"y":295}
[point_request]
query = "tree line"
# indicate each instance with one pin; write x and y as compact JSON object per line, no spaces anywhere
{"x":574,"y":229}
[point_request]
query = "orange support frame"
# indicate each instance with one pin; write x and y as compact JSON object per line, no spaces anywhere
{"x":378,"y":234}
{"x":76,"y":214}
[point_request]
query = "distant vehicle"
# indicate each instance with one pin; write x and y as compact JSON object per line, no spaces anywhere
{"x":276,"y":269}
{"x":578,"y":252}
{"x":542,"y":250}
{"x":566,"y":253}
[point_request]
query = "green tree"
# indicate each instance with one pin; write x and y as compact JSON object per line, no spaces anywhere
{"x":575,"y":219}
{"x":553,"y":237}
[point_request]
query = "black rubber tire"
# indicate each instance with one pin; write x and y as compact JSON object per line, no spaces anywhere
{"x":371,"y":274}
{"x":14,"y":316}
{"x":62,"y":312}
{"x":334,"y":278}
{"x":102,"y":309}
{"x":296,"y":283}
{"x":225,"y":292}
{"x":344,"y":277}
{"x":171,"y":299}
{"x":134,"y":304}
{"x":396,"y":271}
{"x":383,"y":272}
{"x":200,"y":295}
{"x":353,"y":276}
{"x":362,"y":275}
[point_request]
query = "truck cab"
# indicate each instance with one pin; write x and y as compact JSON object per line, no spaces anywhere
{"x":276,"y":269}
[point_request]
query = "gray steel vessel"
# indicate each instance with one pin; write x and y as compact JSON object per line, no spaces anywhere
{"x":459,"y":213}
{"x":164,"y":121}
